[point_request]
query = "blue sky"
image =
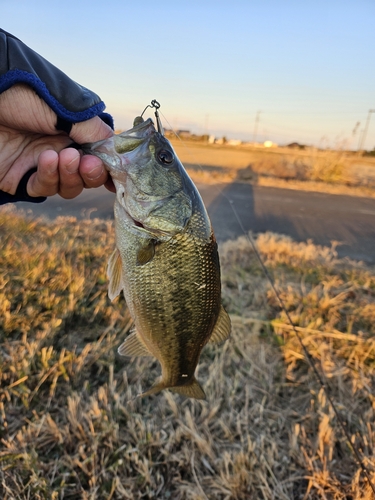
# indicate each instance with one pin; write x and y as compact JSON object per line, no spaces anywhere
{"x":307,"y":66}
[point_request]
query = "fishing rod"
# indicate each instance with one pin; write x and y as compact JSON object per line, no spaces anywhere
{"x":323,"y":383}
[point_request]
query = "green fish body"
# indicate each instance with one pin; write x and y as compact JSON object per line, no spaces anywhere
{"x":166,"y":259}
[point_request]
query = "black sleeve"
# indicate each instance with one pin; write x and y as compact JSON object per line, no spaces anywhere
{"x":21,"y":193}
{"x":71,"y":102}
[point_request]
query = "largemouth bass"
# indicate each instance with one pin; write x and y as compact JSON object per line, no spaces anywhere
{"x":166,"y":259}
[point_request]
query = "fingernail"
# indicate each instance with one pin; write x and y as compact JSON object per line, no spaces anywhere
{"x":95,"y":173}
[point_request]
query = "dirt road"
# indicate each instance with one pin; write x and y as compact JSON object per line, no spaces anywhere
{"x":300,"y":214}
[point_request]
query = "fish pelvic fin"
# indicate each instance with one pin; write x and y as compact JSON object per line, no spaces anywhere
{"x":192,"y":389}
{"x":222,"y":327}
{"x":114,"y":273}
{"x":133,"y":346}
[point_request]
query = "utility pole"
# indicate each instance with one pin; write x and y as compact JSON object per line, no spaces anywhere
{"x":365,"y":130}
{"x":257,"y":116}
{"x":359,"y":141}
{"x":206,"y":118}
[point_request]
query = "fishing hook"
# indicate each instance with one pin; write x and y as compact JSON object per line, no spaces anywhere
{"x":156,"y":105}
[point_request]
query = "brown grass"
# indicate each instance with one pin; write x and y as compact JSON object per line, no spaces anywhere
{"x":71,"y":427}
{"x":336,"y":172}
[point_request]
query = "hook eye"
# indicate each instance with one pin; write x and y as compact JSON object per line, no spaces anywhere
{"x":156,"y":105}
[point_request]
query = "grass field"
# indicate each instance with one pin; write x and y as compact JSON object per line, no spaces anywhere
{"x":336,"y":172}
{"x":71,"y":427}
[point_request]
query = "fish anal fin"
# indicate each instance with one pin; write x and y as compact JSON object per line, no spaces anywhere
{"x":157,"y":387}
{"x":222,"y":327}
{"x":193,"y":389}
{"x":146,"y":253}
{"x":114,"y":273}
{"x":133,"y":346}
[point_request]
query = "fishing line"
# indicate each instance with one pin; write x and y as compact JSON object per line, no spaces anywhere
{"x":323,"y":383}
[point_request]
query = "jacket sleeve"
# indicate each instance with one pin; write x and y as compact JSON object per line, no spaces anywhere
{"x":71,"y":102}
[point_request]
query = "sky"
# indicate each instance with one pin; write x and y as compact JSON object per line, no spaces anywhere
{"x":304,"y":68}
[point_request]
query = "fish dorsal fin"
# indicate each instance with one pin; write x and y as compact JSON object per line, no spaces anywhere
{"x":114,"y":273}
{"x":146,"y":253}
{"x":133,"y":346}
{"x":190,"y":390}
{"x":222,"y":328}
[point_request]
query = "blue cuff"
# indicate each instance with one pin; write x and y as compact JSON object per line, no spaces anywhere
{"x":14,"y":76}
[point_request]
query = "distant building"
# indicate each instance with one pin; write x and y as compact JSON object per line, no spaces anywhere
{"x":296,"y":145}
{"x":184,"y":133}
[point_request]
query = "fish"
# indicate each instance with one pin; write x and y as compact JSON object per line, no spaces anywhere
{"x":166,"y":258}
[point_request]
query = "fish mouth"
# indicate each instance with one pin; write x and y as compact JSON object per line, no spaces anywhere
{"x":142,"y":129}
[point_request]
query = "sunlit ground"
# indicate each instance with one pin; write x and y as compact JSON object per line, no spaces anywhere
{"x":71,"y":426}
{"x":336,"y":172}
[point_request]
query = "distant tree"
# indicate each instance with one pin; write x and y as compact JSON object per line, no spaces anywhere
{"x":369,"y":153}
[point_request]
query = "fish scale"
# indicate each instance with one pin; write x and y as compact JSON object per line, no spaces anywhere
{"x":178,"y":312}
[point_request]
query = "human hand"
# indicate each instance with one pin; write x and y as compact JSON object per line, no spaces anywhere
{"x":28,"y":138}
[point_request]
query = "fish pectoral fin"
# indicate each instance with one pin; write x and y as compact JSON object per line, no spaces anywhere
{"x":114,"y":273}
{"x":222,"y":327}
{"x":193,"y":389}
{"x":146,"y":253}
{"x":133,"y":346}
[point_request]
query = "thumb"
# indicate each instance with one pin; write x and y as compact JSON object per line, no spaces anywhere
{"x":90,"y":131}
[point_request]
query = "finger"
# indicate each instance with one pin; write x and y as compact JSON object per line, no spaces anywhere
{"x":90,"y":131}
{"x":92,"y":171}
{"x":71,"y":182}
{"x":91,"y":168}
{"x":45,"y":181}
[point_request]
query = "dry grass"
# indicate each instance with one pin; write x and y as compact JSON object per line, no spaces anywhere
{"x":337,"y":172}
{"x":71,"y":427}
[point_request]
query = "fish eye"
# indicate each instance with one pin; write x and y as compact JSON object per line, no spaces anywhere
{"x":165,"y":156}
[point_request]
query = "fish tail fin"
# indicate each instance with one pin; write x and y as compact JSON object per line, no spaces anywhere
{"x":193,"y":389}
